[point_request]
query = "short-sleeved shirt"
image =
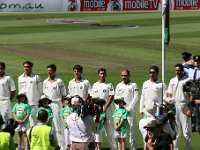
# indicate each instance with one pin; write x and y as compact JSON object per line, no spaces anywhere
{"x":163,"y":141}
{"x":65,"y":112}
{"x":81,"y":129}
{"x":54,"y":90}
{"x":103,"y":91}
{"x":50,"y":113}
{"x":7,"y":85}
{"x":21,"y":110}
{"x":31,"y":86}
{"x":129,"y":92}
{"x":192,"y":72}
{"x":101,"y":123}
{"x":152,"y":91}
{"x":176,"y":89}
{"x":119,"y":114}
{"x":81,"y":88}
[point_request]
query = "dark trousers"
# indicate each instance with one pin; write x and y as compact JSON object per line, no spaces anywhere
{"x":196,"y":119}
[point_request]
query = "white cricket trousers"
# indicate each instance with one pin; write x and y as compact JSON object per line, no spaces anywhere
{"x":5,"y":110}
{"x":57,"y":122}
{"x":109,"y":127}
{"x":32,"y":117}
{"x":183,"y":123}
{"x":132,"y":129}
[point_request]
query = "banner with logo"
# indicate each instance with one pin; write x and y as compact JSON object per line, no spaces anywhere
{"x":94,"y":5}
{"x":186,"y":5}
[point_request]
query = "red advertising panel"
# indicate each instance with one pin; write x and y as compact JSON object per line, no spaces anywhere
{"x":186,"y":4}
{"x":94,"y":5}
{"x":141,"y":4}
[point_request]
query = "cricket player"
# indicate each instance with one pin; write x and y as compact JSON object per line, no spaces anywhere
{"x":30,"y":84}
{"x":79,"y":85}
{"x":129,"y":91}
{"x":104,"y":90}
{"x":181,"y":99}
{"x":153,"y":91}
{"x":7,"y":93}
{"x":54,"y":89}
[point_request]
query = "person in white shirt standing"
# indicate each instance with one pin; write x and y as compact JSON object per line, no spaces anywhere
{"x":82,"y":128}
{"x":54,"y":89}
{"x":30,"y":84}
{"x":104,"y":90}
{"x":129,"y":91}
{"x":153,"y":93}
{"x":79,"y":85}
{"x":7,"y":93}
{"x":181,"y":99}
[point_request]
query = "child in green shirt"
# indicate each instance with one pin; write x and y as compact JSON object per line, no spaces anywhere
{"x":120,"y":122}
{"x":65,"y":112}
{"x":21,"y":112}
{"x":43,"y":104}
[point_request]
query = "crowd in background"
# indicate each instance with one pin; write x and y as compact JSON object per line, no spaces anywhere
{"x":48,"y":114}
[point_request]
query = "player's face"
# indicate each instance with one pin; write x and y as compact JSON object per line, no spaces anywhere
{"x":179,"y":72}
{"x":51,"y":72}
{"x":102,"y":75}
{"x":27,"y":69}
{"x":124,"y":76}
{"x":77,"y":73}
{"x":153,"y":74}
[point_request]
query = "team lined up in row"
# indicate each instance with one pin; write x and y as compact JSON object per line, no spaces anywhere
{"x":54,"y":88}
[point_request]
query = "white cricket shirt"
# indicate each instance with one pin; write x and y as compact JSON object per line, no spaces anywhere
{"x":152,"y":91}
{"x":54,"y":90}
{"x":81,"y":88}
{"x":31,"y":86}
{"x":129,"y":92}
{"x":7,"y":85}
{"x":176,"y":89}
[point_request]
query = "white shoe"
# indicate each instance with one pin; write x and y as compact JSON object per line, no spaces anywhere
{"x":19,"y":148}
{"x":63,"y":148}
{"x":18,"y":128}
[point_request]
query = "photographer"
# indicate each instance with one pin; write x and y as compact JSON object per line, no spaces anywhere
{"x":6,"y":140}
{"x":195,"y":99}
{"x":81,"y":127}
{"x":156,"y":138}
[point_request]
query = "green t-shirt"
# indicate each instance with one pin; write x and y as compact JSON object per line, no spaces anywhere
{"x":50,"y":114}
{"x":65,"y":112}
{"x":101,"y":123}
{"x":21,"y":110}
{"x":118,"y":115}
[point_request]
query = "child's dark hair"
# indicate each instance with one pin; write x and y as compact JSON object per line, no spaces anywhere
{"x":22,"y":95}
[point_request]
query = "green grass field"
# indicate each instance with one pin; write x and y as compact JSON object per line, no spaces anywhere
{"x":28,"y":36}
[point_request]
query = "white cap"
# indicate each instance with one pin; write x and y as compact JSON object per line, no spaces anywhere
{"x":22,"y":92}
{"x":43,"y":96}
{"x":74,"y":100}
